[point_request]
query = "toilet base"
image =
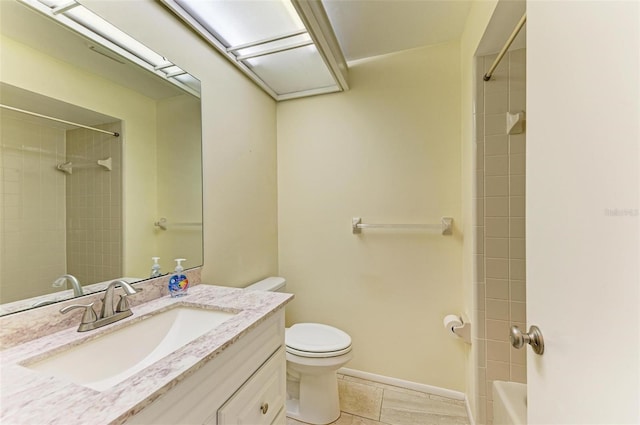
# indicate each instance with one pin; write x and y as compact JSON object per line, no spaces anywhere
{"x":318,"y":401}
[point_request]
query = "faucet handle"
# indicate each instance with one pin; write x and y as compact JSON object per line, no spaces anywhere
{"x":123,"y":304}
{"x":89,"y":315}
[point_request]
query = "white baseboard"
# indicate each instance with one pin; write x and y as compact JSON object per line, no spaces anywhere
{"x":443,"y":392}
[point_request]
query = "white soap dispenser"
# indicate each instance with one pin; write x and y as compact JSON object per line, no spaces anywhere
{"x":155,"y":268}
{"x":178,"y":282}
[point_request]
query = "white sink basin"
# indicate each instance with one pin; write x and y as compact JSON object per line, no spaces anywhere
{"x":106,"y":361}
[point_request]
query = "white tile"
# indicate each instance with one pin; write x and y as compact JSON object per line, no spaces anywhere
{"x":518,"y":373}
{"x":518,"y":356}
{"x":480,"y":295}
{"x":497,"y":248}
{"x":482,"y":408}
{"x":517,"y":164}
{"x":357,"y":420}
{"x":517,"y":185}
{"x":488,"y":61}
{"x":480,"y":156}
{"x":479,"y":188}
{"x":517,"y":269}
{"x":517,"y":227}
{"x":481,"y":331}
{"x":359,"y":399}
{"x":517,"y":247}
{"x":497,"y":371}
{"x":497,"y":268}
{"x":489,"y":411}
{"x":496,"y":102}
{"x":517,"y":143}
{"x":497,"y":309}
{"x":497,"y":145}
{"x":496,"y":206}
{"x":499,"y":79}
{"x":480,"y":267}
{"x":478,"y":100}
{"x":496,"y":227}
{"x":399,"y":408}
{"x":479,"y":127}
{"x":517,"y":98}
{"x":479,"y":234}
{"x":479,"y":210}
{"x":497,"y":289}
{"x":496,"y":186}
{"x":498,"y":351}
{"x":498,"y":330}
{"x":481,"y":355}
{"x":518,"y":312}
{"x":496,"y":165}
{"x":517,"y":206}
{"x":495,"y":124}
{"x":518,"y":290}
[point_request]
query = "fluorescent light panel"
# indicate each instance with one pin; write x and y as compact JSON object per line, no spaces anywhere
{"x":266,"y":39}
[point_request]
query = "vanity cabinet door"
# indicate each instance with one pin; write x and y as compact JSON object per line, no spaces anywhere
{"x":260,"y":400}
{"x":197,"y":399}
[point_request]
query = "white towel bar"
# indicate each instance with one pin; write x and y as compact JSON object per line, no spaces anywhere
{"x":444,"y":227}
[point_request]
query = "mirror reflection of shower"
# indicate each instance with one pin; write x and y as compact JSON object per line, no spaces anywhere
{"x":61,"y":197}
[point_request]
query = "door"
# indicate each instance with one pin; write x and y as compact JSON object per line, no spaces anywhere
{"x":583,"y":231}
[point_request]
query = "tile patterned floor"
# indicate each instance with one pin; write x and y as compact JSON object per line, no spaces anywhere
{"x":370,"y":403}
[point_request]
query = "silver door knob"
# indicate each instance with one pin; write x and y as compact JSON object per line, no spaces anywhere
{"x":533,"y":338}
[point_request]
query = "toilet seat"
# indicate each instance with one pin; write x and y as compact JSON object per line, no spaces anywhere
{"x":316,"y":340}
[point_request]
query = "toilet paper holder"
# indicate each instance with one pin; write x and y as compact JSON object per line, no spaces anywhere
{"x":458,"y":326}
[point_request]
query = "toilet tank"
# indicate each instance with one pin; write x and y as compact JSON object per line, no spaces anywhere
{"x":271,"y":284}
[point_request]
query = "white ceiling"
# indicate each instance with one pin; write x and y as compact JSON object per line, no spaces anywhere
{"x":366,"y":28}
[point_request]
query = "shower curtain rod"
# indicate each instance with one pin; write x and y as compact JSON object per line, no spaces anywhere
{"x":512,"y":37}
{"x":35,"y":114}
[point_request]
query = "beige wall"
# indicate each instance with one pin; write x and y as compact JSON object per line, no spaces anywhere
{"x":477,"y":21}
{"x":179,"y":168}
{"x":31,"y":70}
{"x":387,"y":150}
{"x":239,"y":146}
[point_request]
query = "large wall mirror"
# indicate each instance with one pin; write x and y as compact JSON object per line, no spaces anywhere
{"x":114,"y":179}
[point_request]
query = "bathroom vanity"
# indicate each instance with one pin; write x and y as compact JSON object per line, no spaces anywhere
{"x":232,"y":373}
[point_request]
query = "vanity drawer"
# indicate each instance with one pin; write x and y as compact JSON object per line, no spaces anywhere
{"x":261,"y":399}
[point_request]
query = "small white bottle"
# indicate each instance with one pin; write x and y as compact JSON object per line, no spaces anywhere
{"x":155,"y":268}
{"x":178,"y":282}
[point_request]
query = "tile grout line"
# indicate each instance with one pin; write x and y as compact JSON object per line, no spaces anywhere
{"x":381,"y":403}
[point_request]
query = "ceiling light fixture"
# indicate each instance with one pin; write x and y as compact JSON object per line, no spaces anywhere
{"x":286,"y":47}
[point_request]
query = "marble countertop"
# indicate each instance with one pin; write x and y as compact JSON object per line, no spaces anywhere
{"x":30,"y":397}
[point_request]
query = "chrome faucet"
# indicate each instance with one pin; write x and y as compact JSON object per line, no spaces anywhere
{"x":90,"y":320}
{"x":123,"y":304}
{"x":77,"y":288}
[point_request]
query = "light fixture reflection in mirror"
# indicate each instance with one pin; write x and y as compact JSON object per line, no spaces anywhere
{"x":74,"y":201}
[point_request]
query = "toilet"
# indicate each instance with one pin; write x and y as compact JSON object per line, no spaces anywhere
{"x":315,"y":352}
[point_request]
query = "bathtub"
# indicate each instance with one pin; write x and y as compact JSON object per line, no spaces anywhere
{"x":509,"y":403}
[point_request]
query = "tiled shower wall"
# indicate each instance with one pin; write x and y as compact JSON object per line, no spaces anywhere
{"x":500,"y":226}
{"x":52,"y":223}
{"x":94,"y":205}
{"x":32,"y":206}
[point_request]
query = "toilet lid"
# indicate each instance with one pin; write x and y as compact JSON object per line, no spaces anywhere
{"x":316,"y":338}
